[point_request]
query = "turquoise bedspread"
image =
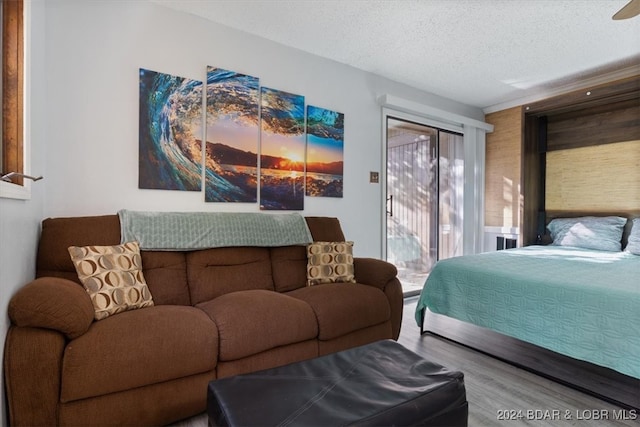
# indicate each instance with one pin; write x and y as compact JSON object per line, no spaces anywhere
{"x":578,"y":302}
{"x":166,"y":231}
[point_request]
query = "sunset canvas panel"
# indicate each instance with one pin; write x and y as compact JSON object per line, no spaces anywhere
{"x":282,"y":150}
{"x":325,"y":152}
{"x":170,"y":121}
{"x":231,"y":156}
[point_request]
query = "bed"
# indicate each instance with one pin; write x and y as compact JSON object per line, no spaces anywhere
{"x":577,"y":304}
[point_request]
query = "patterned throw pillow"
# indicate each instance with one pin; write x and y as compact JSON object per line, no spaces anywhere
{"x":330,"y":262}
{"x":112,"y":276}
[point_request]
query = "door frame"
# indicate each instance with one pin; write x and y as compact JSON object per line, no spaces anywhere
{"x":421,"y":120}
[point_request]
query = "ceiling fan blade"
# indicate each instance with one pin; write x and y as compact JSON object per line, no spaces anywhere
{"x":629,"y":11}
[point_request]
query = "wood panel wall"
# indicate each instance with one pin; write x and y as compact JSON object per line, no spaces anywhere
{"x":503,"y":195}
{"x":602,"y":124}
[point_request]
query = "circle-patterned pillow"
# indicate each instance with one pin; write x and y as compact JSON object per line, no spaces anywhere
{"x":112,"y":276}
{"x":330,"y":262}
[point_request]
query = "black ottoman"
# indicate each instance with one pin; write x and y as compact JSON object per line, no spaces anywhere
{"x":379,"y":384}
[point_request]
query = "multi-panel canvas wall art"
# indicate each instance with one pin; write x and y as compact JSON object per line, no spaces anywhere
{"x":259,"y":144}
{"x":325,"y":152}
{"x":231,"y":156}
{"x":282,"y":150}
{"x":170,"y":125}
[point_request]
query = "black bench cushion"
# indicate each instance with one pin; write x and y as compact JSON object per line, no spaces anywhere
{"x":377,"y":384}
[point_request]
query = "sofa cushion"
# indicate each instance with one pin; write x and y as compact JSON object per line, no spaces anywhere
{"x":59,"y":233}
{"x":330,"y":262}
{"x":342,"y":308}
{"x":138,"y":348}
{"x":112,"y":275}
{"x":166,"y":276}
{"x":218,"y":271}
{"x":257,"y":320}
{"x":289,"y":266}
{"x":325,"y":229}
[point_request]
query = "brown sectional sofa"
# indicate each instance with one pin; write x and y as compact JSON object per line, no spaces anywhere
{"x":217,"y":312}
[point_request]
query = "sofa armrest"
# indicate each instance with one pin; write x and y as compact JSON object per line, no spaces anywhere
{"x":374,"y":272}
{"x":383,"y":275}
{"x":32,"y":366}
{"x":52,"y":303}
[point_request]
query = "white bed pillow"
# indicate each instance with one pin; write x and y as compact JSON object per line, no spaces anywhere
{"x":633,"y":243}
{"x":589,"y":232}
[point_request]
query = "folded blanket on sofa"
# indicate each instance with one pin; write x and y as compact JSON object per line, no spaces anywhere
{"x":166,"y":231}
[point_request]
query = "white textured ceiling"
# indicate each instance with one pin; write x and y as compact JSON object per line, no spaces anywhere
{"x":484,"y":53}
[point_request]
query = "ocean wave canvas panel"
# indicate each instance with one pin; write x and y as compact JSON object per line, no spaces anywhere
{"x":282,"y":150}
{"x":231,"y":156}
{"x":325,"y":152}
{"x":170,"y":121}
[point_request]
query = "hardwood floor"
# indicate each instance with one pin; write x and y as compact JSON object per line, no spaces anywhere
{"x":498,"y":390}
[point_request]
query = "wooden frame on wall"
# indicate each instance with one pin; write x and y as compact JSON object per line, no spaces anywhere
{"x":604,"y":114}
{"x":12,"y":88}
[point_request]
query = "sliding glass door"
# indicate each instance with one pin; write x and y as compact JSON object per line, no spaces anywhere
{"x":425,"y":172}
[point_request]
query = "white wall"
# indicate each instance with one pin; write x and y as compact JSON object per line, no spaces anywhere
{"x":84,"y":118}
{"x":94,"y":51}
{"x":20,"y":219}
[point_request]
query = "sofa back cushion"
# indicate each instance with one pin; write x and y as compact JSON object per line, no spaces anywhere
{"x":325,"y":229}
{"x":185,"y":278}
{"x":166,"y":276}
{"x":289,"y":263}
{"x":59,"y":233}
{"x":219,"y":271}
{"x":289,"y":266}
{"x":165,"y":272}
